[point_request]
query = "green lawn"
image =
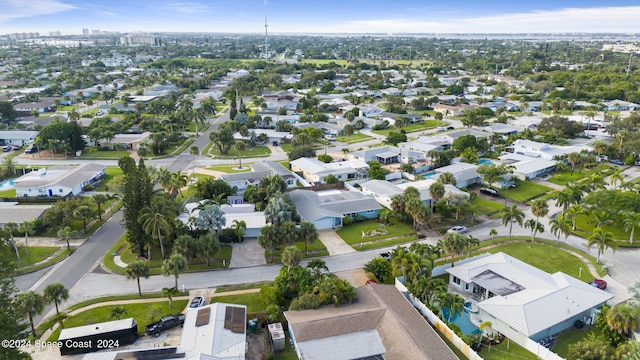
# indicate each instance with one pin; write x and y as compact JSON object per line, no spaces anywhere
{"x":524,"y":191}
{"x":11,"y":193}
{"x":260,"y":285}
{"x":547,"y":258}
{"x":143,"y":313}
{"x":316,"y":249}
{"x":428,"y":124}
{"x":506,"y":350}
{"x":110,"y":173}
{"x":196,"y":264}
{"x":585,"y":229}
{"x":352,"y":234}
{"x":385,"y":243}
{"x":484,"y":206}
{"x":572,"y":336}
{"x":255,"y":151}
{"x":358,"y":137}
{"x":254,"y":301}
{"x":230,"y":168}
{"x":93,"y":153}
{"x":562,"y":178}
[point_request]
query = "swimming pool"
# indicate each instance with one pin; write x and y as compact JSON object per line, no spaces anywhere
{"x":485,"y":162}
{"x":463,"y":321}
{"x":429,"y":174}
{"x":7,"y":184}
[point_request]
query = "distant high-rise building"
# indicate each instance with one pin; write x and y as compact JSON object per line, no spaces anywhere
{"x":85,"y":32}
{"x":54,"y":33}
{"x":139,"y":40}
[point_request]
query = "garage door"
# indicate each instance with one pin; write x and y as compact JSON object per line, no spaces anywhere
{"x":323,"y":224}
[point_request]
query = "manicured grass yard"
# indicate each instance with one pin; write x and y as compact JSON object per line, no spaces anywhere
{"x":562,"y":178}
{"x":254,"y":301}
{"x":585,"y":229}
{"x":36,"y":253}
{"x":11,"y":193}
{"x":524,"y":191}
{"x":484,"y":206}
{"x":230,"y":168}
{"x":500,"y":352}
{"x":316,"y":249}
{"x":547,"y":258}
{"x":255,"y":151}
{"x":143,"y":313}
{"x":93,"y":153}
{"x":197,"y":264}
{"x":352,"y":234}
{"x":110,"y":173}
{"x":428,"y":124}
{"x":357,"y":137}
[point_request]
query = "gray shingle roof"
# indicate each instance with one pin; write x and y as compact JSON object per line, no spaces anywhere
{"x":311,"y":206}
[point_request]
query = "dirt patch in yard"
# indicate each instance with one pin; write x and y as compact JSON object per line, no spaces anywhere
{"x":257,"y":345}
{"x":357,"y":277}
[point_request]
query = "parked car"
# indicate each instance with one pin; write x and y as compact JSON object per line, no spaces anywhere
{"x":330,"y":137}
{"x":616,"y":161}
{"x":371,"y":281}
{"x":17,"y":147}
{"x":196,"y":302}
{"x":386,"y":255}
{"x":165,"y":323}
{"x":490,"y":191}
{"x":599,"y":283}
{"x":450,"y":127}
{"x":441,"y":128}
{"x":6,"y":148}
{"x":459,"y":229}
{"x":31,"y":150}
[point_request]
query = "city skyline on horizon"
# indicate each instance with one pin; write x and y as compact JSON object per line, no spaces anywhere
{"x":333,"y":17}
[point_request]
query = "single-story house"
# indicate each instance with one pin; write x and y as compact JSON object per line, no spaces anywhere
{"x":383,"y":191}
{"x":522,"y":301}
{"x":452,"y":110}
{"x":215,"y":331}
{"x":619,"y":105}
{"x":39,"y":106}
{"x":260,"y":170}
{"x":478,"y":133}
{"x":424,"y":144}
{"x":59,"y":181}
{"x":382,"y":324}
{"x":502,"y":129}
{"x":526,"y":167}
{"x":254,"y":220}
{"x":527,"y":122}
{"x":326,"y":208}
{"x":544,"y":150}
{"x":385,"y":155}
{"x":276,"y":168}
{"x":15,"y":213}
{"x":464,"y":173}
{"x":17,"y":137}
{"x":315,"y":171}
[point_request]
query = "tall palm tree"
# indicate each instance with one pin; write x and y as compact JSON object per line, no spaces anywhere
{"x":603,"y":240}
{"x":55,"y":293}
{"x":30,"y":303}
{"x":175,"y":265}
{"x":539,"y":208}
{"x":26,"y":227}
{"x":269,"y":239}
{"x":452,"y":244}
{"x":195,"y":151}
{"x":447,"y":178}
{"x":100,"y":199}
{"x":601,"y":218}
{"x":574,"y":158}
{"x":616,"y":178}
{"x":170,"y":293}
{"x":163,"y":178}
{"x":11,"y":228}
{"x":403,"y":262}
{"x":511,"y":215}
{"x":561,"y":226}
{"x":83,"y":212}
{"x":436,"y":190}
{"x":278,"y":210}
{"x":455,"y":303}
{"x":136,"y":270}
{"x":309,"y":234}
{"x":66,"y":233}
{"x":535,"y":228}
{"x":348,"y":131}
{"x":155,"y":219}
{"x":573,"y":213}
{"x":631,"y":221}
{"x":239,"y":146}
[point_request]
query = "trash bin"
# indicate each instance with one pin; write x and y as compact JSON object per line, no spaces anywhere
{"x":253,"y":324}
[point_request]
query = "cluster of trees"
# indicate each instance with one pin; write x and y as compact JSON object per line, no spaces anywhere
{"x":32,"y":303}
{"x":61,"y":136}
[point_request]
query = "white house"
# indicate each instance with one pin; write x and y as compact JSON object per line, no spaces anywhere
{"x":315,"y":171}
{"x":254,"y":220}
{"x":326,"y":208}
{"x":59,"y":181}
{"x":464,"y":173}
{"x":522,"y":301}
{"x":526,"y":167}
{"x":544,"y":150}
{"x":384,"y":192}
{"x":242,"y":180}
{"x":385,"y":155}
{"x":17,"y":137}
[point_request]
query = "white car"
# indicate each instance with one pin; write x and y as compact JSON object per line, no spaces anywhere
{"x":196,"y":302}
{"x":459,"y":229}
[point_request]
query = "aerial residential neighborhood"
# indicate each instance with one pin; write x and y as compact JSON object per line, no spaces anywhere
{"x":329,"y":195}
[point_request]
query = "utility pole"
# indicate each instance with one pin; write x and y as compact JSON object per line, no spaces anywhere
{"x":266,"y":37}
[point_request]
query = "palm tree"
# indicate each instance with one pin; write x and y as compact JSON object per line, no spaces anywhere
{"x":177,"y":181}
{"x":175,"y":265}
{"x":136,"y":270}
{"x":574,"y":158}
{"x":170,"y":293}
{"x":83,"y":212}
{"x":567,"y":197}
{"x":309,"y":234}
{"x":239,"y":227}
{"x":454,"y":302}
{"x":447,"y":178}
{"x":623,"y":318}
{"x":403,"y":262}
{"x":290,"y":257}
{"x":239,"y":146}
{"x":163,"y":177}
{"x":211,"y":218}
{"x":30,"y":303}
{"x":470,"y":242}
{"x":348,"y":131}
{"x":601,"y":218}
{"x":66,"y":234}
{"x":631,"y":221}
{"x":269,"y":239}
{"x":493,"y":233}
{"x":436,"y":190}
{"x":616,"y":177}
{"x":278,"y":210}
{"x":155,"y":220}
{"x":573,"y":213}
{"x":9,"y":165}
{"x":55,"y":293}
{"x":195,"y":151}
{"x":539,"y":207}
{"x":317,"y":266}
{"x":118,"y":310}
{"x":100,"y":199}
{"x":535,"y":228}
{"x":27,"y":227}
{"x":561,"y":226}
{"x":603,"y":240}
{"x":453,"y":244}
{"x":511,"y":215}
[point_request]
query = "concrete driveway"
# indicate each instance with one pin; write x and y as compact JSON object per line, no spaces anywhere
{"x":247,"y":253}
{"x":334,"y":243}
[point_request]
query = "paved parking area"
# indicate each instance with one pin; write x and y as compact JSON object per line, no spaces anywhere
{"x":247,"y":253}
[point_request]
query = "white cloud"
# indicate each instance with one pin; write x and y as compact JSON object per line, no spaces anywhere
{"x":604,"y":19}
{"x":188,"y":7}
{"x":14,"y":9}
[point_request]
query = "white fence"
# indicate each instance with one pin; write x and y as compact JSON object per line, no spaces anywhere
{"x":440,"y":326}
{"x":540,"y":351}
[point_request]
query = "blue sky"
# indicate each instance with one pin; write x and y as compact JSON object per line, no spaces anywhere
{"x":321,"y":16}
